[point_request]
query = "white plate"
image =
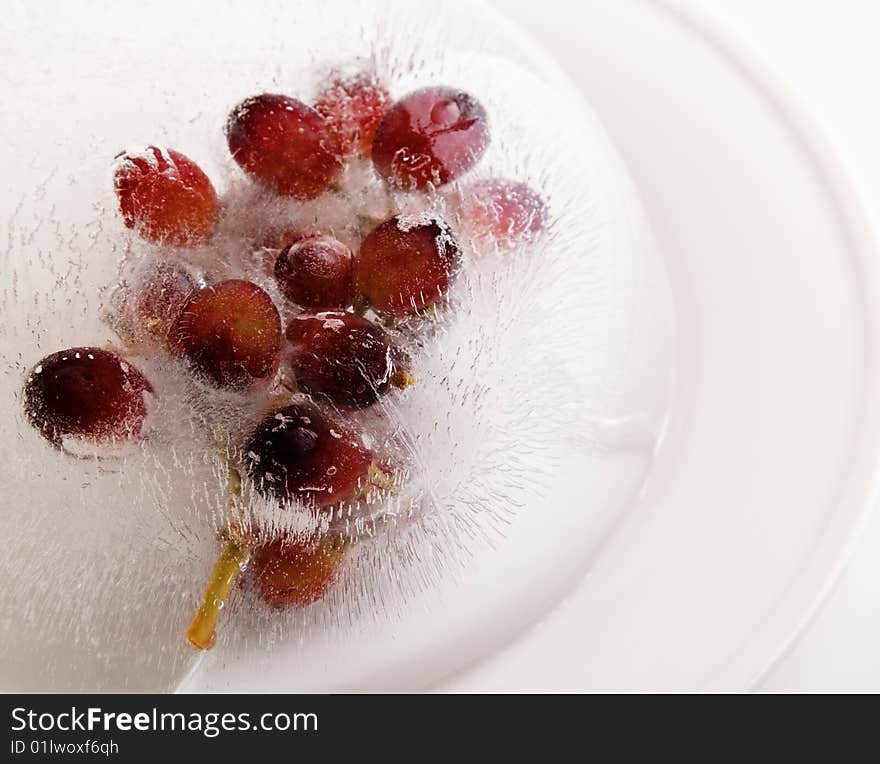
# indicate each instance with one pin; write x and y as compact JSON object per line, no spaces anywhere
{"x":769,"y":460}
{"x":770,"y":464}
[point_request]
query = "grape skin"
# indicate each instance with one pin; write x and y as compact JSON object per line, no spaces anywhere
{"x":404,"y":267}
{"x":283,"y":144}
{"x":354,"y":108}
{"x":299,"y":453}
{"x":230,"y":332}
{"x":316,"y":273}
{"x":340,"y":356}
{"x":166,"y":197}
{"x":86,"y":392}
{"x":429,"y":138}
{"x":291,"y":573}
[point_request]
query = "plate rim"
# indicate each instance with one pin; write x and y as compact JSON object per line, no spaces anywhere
{"x":821,"y":571}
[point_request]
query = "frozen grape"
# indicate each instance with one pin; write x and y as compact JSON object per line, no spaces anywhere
{"x":429,"y":138}
{"x":266,"y":248}
{"x":283,"y":144}
{"x":86,"y":392}
{"x":299,"y":453}
{"x":502,"y":211}
{"x":161,"y":298}
{"x":340,"y":356}
{"x":230,"y":333}
{"x":353,"y":108}
{"x":165,"y":197}
{"x":404,"y":266}
{"x":291,"y":573}
{"x":316,"y":273}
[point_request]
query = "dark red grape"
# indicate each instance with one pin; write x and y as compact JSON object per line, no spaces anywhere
{"x":86,"y":393}
{"x":430,"y":138}
{"x":353,"y":108}
{"x":293,"y":573}
{"x":502,"y":211}
{"x":166,"y":197}
{"x":299,"y":453}
{"x":403,"y":267}
{"x":230,"y":333}
{"x":340,"y":356}
{"x":316,"y":273}
{"x":283,"y":144}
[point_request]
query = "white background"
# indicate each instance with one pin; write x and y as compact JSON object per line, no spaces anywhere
{"x":829,"y":53}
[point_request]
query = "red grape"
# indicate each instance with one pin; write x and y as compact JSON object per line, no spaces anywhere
{"x":166,"y":197}
{"x":294,"y":573}
{"x":430,"y":138}
{"x":353,"y":108}
{"x":159,"y":301}
{"x":341,"y":356}
{"x":283,"y":144}
{"x":231,"y":333}
{"x":265,"y":249}
{"x":298,"y":453}
{"x":403,"y":267}
{"x":86,"y":392}
{"x":502,"y":211}
{"x":316,"y":273}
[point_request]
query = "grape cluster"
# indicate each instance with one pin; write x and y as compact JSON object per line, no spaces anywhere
{"x":332,"y":339}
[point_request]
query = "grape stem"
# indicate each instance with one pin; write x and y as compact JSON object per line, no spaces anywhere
{"x":202,"y":631}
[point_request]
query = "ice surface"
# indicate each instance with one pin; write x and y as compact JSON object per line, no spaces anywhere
{"x":542,"y":375}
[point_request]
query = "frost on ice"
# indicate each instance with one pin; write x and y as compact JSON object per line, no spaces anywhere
{"x":515,"y":368}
